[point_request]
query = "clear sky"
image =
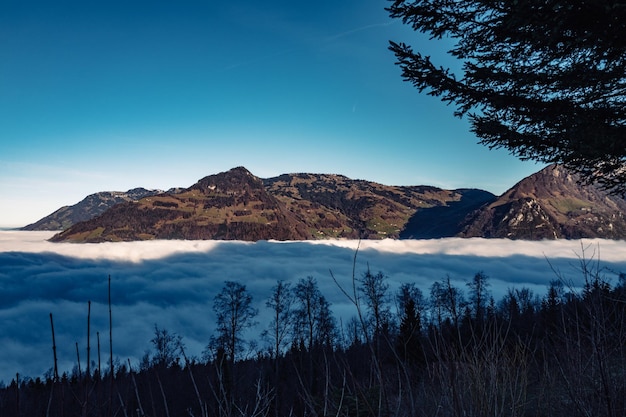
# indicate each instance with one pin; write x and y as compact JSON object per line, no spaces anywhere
{"x":112,"y":95}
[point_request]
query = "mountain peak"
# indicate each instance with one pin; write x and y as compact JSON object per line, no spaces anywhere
{"x":550,"y":204}
{"x":236,"y":180}
{"x":229,"y":205}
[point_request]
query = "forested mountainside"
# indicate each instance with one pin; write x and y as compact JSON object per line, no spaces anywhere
{"x":229,"y":205}
{"x":375,"y":211}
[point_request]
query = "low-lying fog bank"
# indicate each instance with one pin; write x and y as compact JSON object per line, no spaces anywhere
{"x":172,"y":283}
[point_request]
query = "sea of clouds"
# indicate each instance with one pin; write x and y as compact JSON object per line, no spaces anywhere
{"x":172,"y":284}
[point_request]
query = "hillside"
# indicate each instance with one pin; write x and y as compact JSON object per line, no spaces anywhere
{"x":337,"y":206}
{"x":230,"y":205}
{"x":550,"y":204}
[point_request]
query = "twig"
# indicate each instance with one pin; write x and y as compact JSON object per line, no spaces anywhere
{"x":132,"y":376}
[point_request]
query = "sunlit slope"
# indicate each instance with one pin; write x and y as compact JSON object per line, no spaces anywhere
{"x":231,"y":205}
{"x":551,"y":204}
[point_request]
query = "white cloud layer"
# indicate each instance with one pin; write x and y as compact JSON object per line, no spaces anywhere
{"x":172,"y":283}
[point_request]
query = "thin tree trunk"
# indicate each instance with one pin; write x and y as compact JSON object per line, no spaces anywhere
{"x":111,"y":353}
{"x":88,"y":337}
{"x":54,"y":352}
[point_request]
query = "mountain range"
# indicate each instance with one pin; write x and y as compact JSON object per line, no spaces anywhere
{"x":236,"y":205}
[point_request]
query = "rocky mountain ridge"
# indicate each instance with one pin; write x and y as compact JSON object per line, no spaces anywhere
{"x":88,"y":208}
{"x":551,"y":204}
{"x":237,"y":205}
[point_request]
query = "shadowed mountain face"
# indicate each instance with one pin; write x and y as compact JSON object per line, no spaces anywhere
{"x":550,"y":204}
{"x":445,"y":221}
{"x":236,"y":205}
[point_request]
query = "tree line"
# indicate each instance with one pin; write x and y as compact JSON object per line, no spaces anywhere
{"x":452,"y":351}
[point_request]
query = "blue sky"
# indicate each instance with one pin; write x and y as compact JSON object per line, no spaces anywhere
{"x":112,"y":95}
